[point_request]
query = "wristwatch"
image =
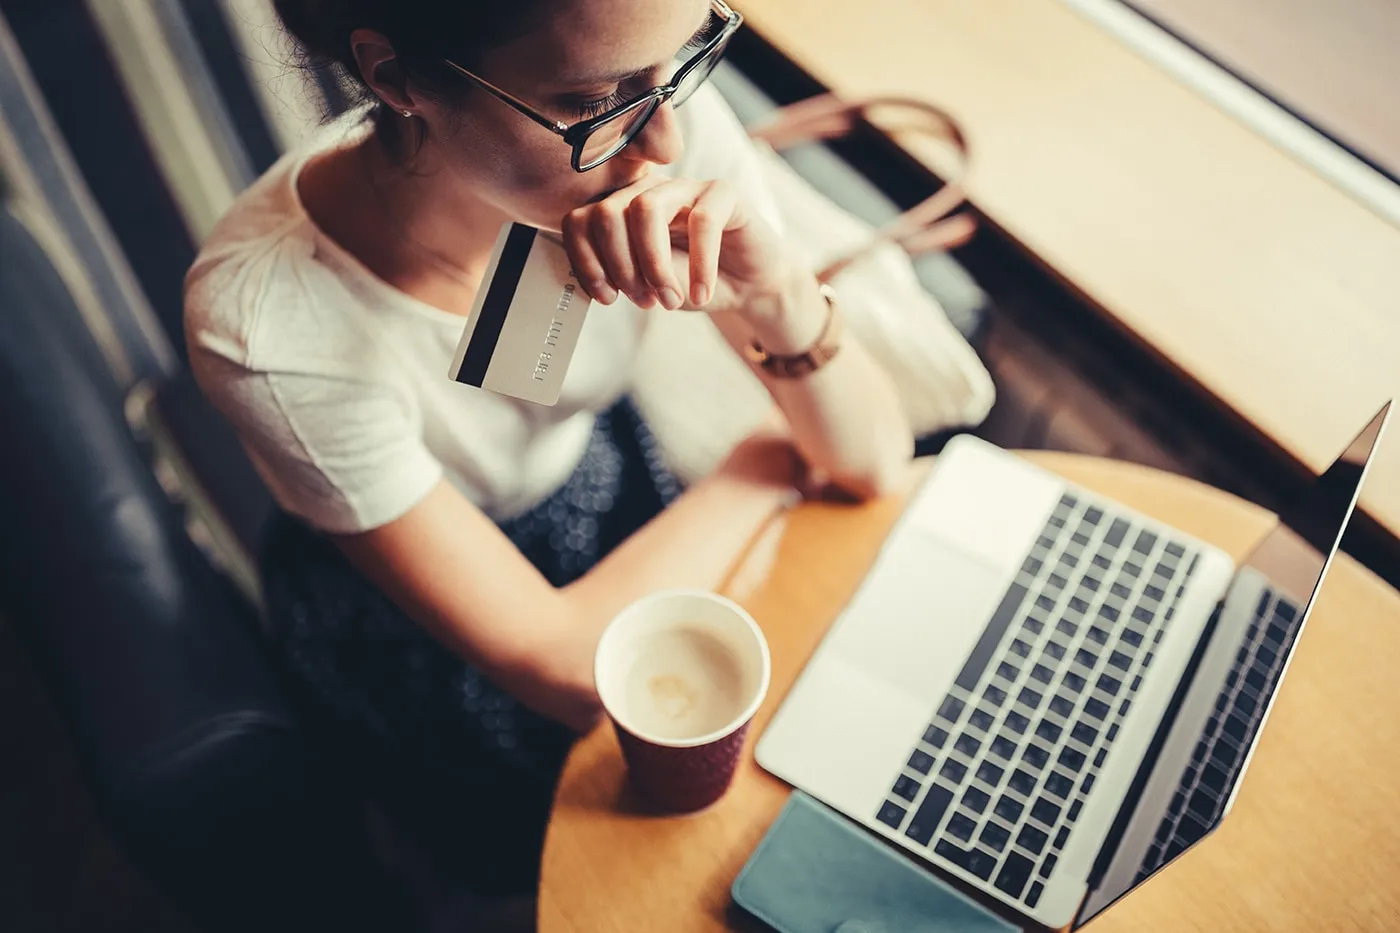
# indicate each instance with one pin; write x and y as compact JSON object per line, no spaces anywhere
{"x":796,"y":365}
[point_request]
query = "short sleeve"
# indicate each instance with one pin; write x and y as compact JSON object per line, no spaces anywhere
{"x":344,"y":454}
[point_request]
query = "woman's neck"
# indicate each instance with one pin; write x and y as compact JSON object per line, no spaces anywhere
{"x":421,"y":230}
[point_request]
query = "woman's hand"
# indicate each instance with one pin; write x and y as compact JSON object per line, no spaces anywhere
{"x":679,"y":243}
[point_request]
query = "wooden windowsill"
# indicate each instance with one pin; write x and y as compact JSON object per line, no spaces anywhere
{"x":1276,"y":292}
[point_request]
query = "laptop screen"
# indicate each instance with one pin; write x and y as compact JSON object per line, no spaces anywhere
{"x":1269,"y":600}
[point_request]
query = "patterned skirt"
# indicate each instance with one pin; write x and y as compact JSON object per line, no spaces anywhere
{"x":455,"y":761}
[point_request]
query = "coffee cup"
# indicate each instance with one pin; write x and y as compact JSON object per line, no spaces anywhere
{"x":681,"y":674}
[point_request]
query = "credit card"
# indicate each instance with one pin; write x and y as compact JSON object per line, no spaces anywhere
{"x":524,"y":324}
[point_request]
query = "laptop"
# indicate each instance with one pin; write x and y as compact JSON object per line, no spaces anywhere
{"x":1043,"y":694}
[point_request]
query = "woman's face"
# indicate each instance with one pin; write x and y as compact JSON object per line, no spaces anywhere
{"x":581,"y":58}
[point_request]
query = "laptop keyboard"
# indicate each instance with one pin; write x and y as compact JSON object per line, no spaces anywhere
{"x":997,"y":780}
{"x":1239,"y":710}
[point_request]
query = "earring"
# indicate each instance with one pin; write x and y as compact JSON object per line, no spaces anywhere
{"x":407,"y":113}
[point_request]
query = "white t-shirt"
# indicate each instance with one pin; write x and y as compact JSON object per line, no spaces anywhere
{"x":337,"y":382}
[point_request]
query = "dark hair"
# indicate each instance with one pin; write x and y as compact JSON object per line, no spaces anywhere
{"x":422,"y":32}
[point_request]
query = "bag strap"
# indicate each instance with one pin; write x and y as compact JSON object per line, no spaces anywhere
{"x":932,"y":224}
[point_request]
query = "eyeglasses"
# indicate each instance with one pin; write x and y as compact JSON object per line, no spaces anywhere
{"x":598,"y":139}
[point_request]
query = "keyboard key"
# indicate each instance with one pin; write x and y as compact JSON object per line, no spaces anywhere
{"x":1255,"y":679}
{"x":1048,"y":731}
{"x":1068,"y":502}
{"x":1266,"y":654}
{"x":1088,"y":784}
{"x":968,"y":745}
{"x":1175,"y":550}
{"x":921,"y":762}
{"x":994,"y":695}
{"x":980,"y":719}
{"x":906,"y":787}
{"x":1086,"y":657}
{"x":1020,"y":648}
{"x":1224,"y":755}
{"x":1133,"y":570}
{"x":1079,"y":538}
{"x":1055,"y":650}
{"x":1022,"y":782}
{"x":935,"y":736}
{"x":1071,"y":758}
{"x":1046,"y":811}
{"x":976,"y":861}
{"x":1032,"y":566}
{"x":991,"y":636}
{"x":1096,"y":708}
{"x":954,"y":771}
{"x":891,"y":814}
{"x":1116,"y":531}
{"x":1059,"y":785}
{"x":1003,"y":748}
{"x":1056,"y":582}
{"x":1103,"y":561}
{"x":1062,"y":705}
{"x":1048,"y":866}
{"x":1131,"y":636}
{"x":1109,"y":684}
{"x":1090,"y":584}
{"x":1046,"y":603}
{"x":1042,"y":673}
{"x":1066,"y":627}
{"x":1078,"y":605}
{"x":1097,"y":635}
{"x":1083,"y":732}
{"x":1121,"y":591}
{"x":929,"y":814}
{"x":1109,"y":612}
{"x":1007,"y":671}
{"x":1061,"y":838}
{"x":1014,"y":874}
{"x":1144,"y":542}
{"x":1008,"y":809}
{"x":994,"y":836}
{"x":961,"y":827}
{"x":1032,"y":839}
{"x":1123,"y":707}
{"x":1112,"y":733}
{"x":1073,"y":682}
{"x":1030,"y":697}
{"x":1093,"y":515}
{"x":1099,"y":757}
{"x":1033,"y":895}
{"x":1285,"y":610}
{"x":1137,"y":682}
{"x":1074,"y":809}
{"x":990,"y":773}
{"x":1035,"y":756}
{"x":1142,"y":614}
{"x":1154,"y":592}
{"x":1034,"y":625}
{"x":951,"y":709}
{"x":976,"y":799}
{"x":1120,"y":660}
{"x":1016,"y":722}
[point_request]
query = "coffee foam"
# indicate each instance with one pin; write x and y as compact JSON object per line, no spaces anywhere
{"x":683,"y":683}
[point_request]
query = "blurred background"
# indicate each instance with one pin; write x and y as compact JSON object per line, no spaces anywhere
{"x":154,"y":773}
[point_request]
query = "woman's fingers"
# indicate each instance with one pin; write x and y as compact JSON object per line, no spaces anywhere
{"x":626,"y":242}
{"x":710,"y":214}
{"x":584,"y":258}
{"x":649,"y":217}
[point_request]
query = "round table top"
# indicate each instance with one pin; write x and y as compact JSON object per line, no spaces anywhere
{"x":611,"y":865}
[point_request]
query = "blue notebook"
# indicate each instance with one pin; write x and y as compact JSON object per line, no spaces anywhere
{"x":816,"y":872}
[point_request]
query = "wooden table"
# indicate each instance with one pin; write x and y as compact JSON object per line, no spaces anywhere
{"x":1313,"y":843}
{"x":1259,"y":280}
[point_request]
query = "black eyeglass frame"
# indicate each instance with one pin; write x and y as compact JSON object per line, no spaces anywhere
{"x":578,"y":134}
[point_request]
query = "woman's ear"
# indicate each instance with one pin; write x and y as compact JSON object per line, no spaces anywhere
{"x":379,"y":68}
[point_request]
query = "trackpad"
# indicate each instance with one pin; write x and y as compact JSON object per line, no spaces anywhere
{"x":919,"y":613}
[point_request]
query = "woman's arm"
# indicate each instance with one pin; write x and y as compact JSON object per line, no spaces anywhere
{"x":845,"y":417}
{"x":453,"y":571}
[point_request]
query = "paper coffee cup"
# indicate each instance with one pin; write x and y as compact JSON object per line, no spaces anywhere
{"x":681,"y":674}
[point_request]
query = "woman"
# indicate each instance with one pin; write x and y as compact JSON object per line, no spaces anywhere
{"x":446,"y":558}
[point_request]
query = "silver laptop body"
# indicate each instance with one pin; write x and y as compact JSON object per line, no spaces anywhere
{"x":1043,"y":694}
